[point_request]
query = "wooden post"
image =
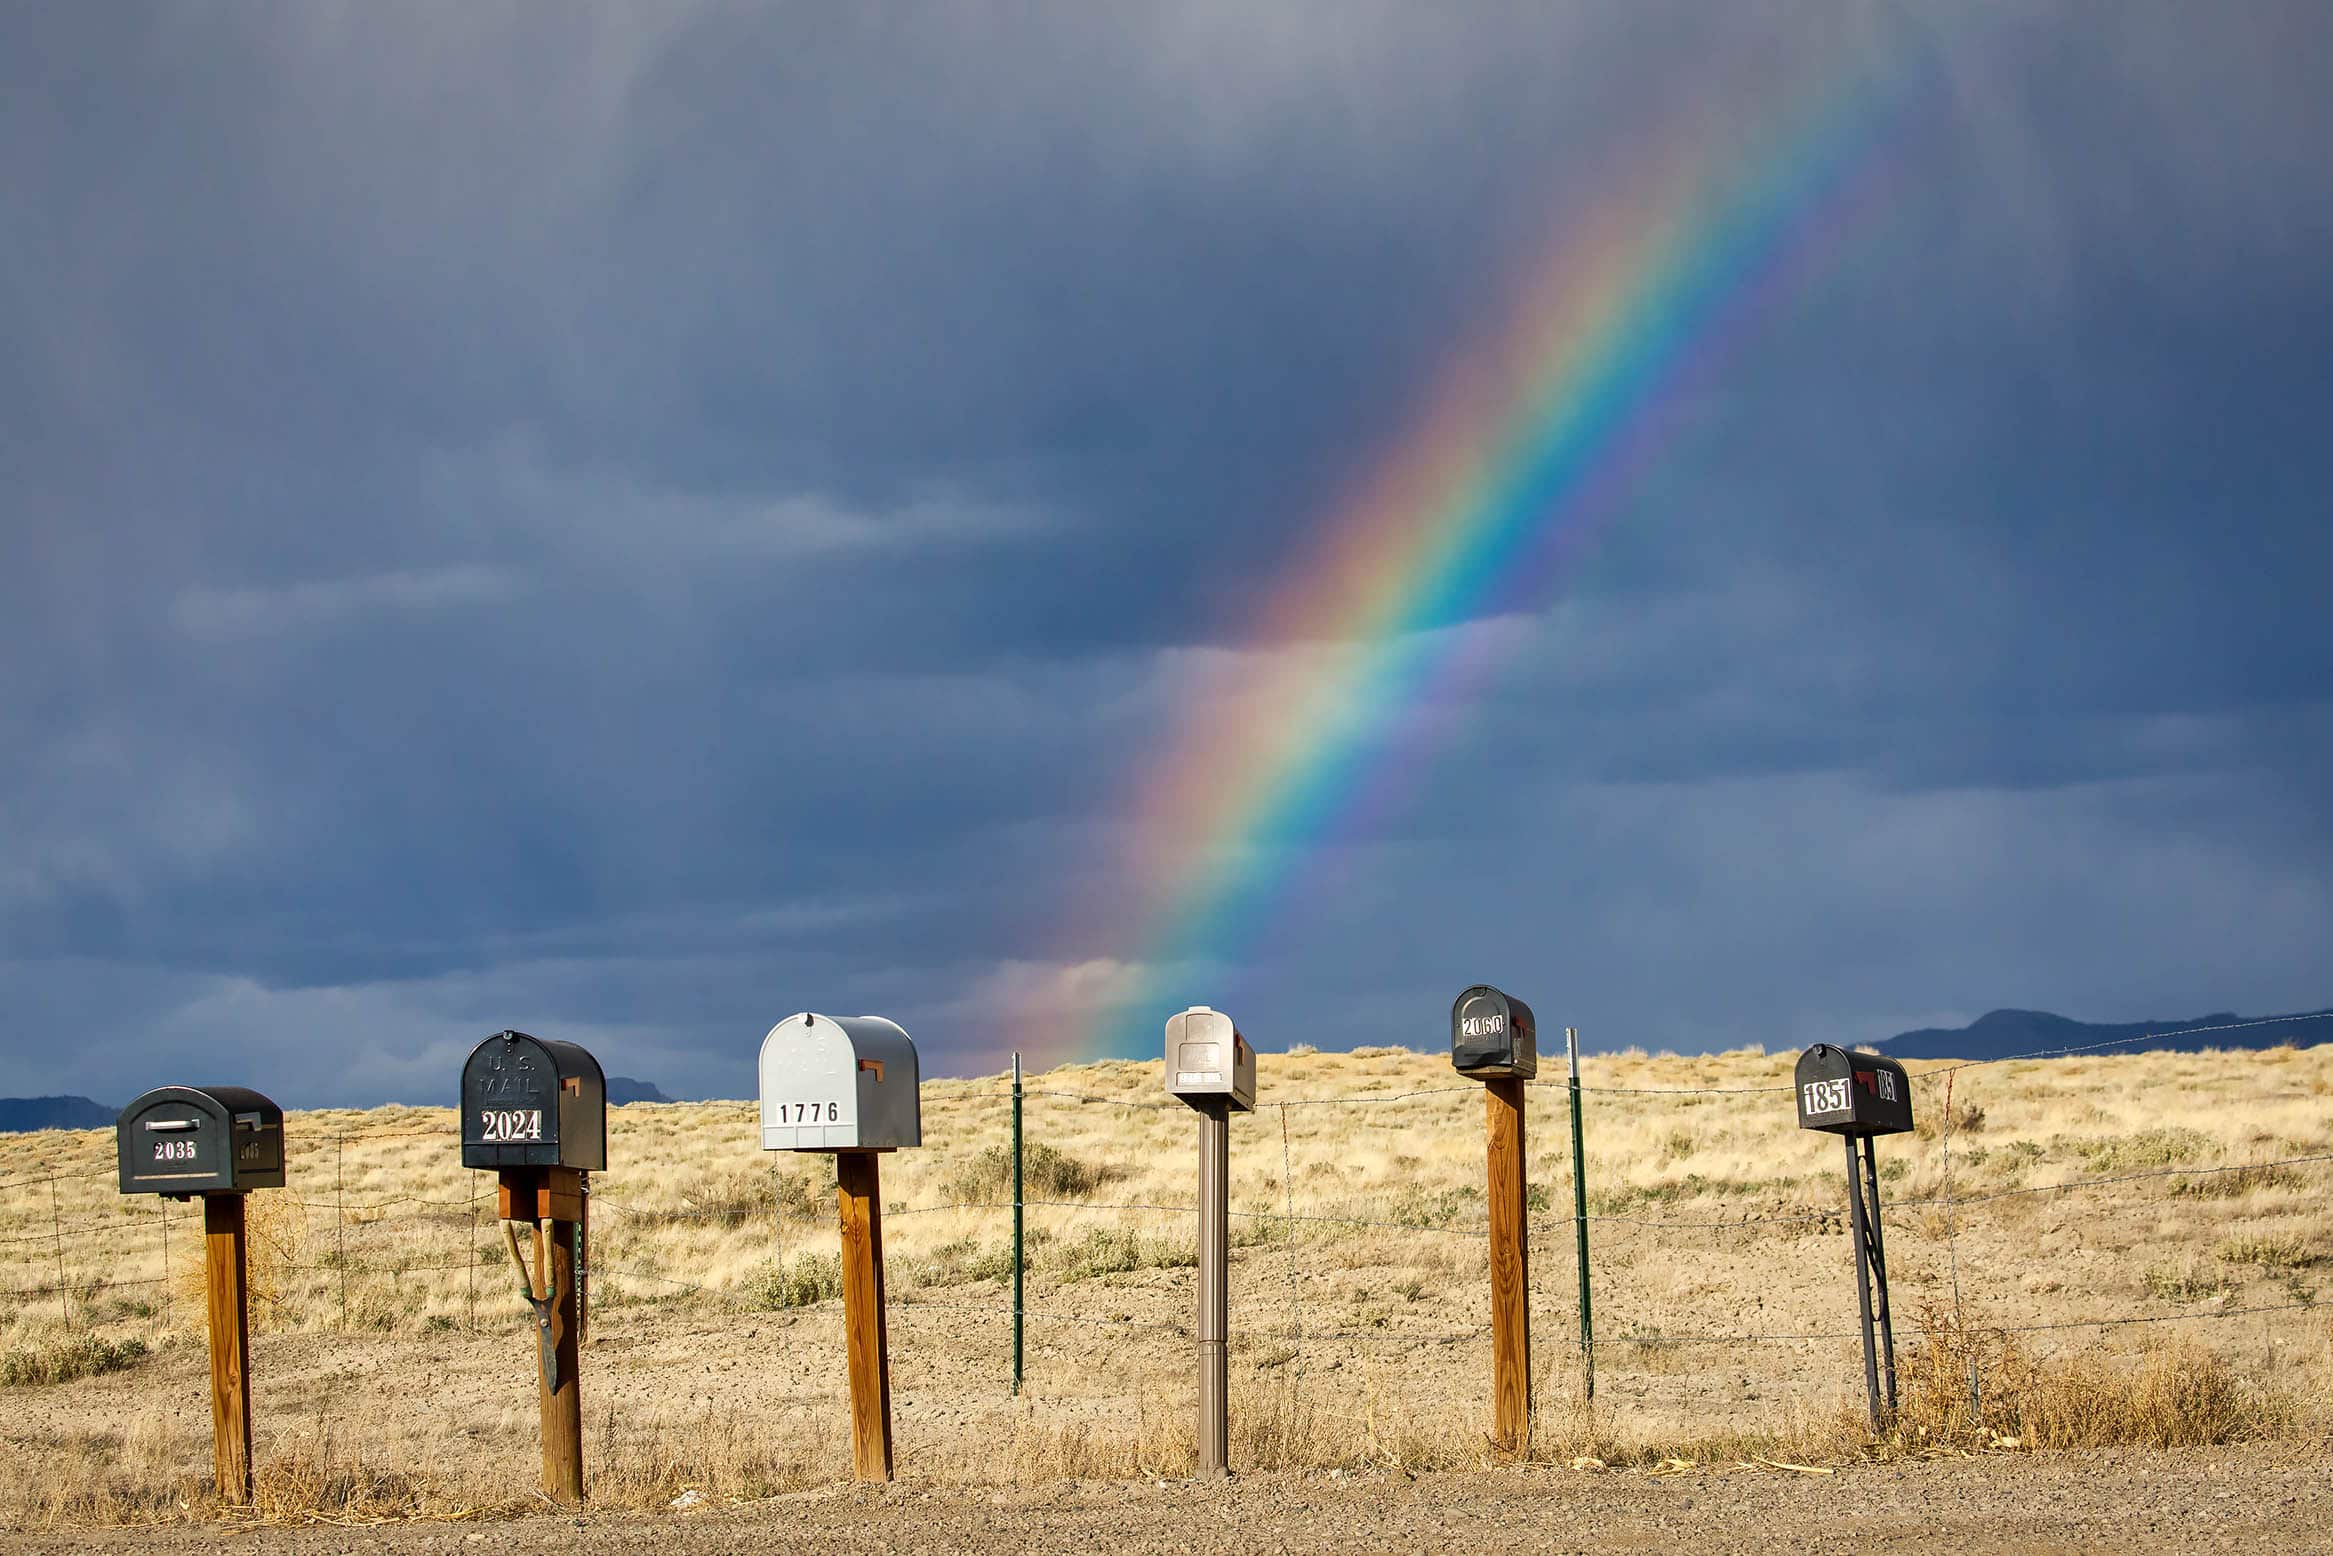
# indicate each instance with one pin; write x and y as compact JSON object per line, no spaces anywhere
{"x":1510,"y":1266}
{"x":230,"y":1319}
{"x":859,"y":1199}
{"x":562,"y":1406}
{"x":550,"y":1201}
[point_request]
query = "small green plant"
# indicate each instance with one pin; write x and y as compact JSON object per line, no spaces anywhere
{"x":798,"y":1281}
{"x":954,"y":1263}
{"x":1046,"y":1173}
{"x":1111,"y":1251}
{"x":74,"y":1356}
{"x":1458,"y":1206}
{"x":2171,"y":1146}
{"x":2236,"y":1184}
{"x":2193,"y":1281}
{"x":2269,"y":1253}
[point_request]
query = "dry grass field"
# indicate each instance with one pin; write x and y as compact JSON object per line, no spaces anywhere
{"x":393,"y":1364}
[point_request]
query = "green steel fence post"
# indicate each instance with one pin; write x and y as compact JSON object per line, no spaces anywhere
{"x":1018,"y":1263}
{"x":1571,"y":1043}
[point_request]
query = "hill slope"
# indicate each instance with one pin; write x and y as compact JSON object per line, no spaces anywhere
{"x":18,"y":1114}
{"x":2007,"y":1032}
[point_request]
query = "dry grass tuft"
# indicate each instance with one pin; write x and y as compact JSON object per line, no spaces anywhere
{"x":1976,"y":1387}
{"x":74,"y":1356}
{"x":1047,"y":1172}
{"x":1119,"y":1251}
{"x":799,"y":1281}
{"x":2270,"y":1253}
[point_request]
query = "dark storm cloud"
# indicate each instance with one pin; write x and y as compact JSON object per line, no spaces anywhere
{"x":638,"y":520}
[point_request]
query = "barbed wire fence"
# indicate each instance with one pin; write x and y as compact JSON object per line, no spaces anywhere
{"x":351,"y":1262}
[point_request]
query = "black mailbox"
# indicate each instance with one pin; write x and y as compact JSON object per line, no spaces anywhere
{"x":531,"y":1102}
{"x":1493,"y":1034}
{"x":1844,"y":1093}
{"x":186,"y":1140}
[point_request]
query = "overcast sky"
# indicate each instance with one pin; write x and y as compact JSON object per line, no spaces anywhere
{"x":629,"y":521}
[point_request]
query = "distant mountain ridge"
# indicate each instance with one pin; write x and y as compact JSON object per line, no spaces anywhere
{"x":2005,"y":1033}
{"x":18,"y":1114}
{"x":21,"y":1114}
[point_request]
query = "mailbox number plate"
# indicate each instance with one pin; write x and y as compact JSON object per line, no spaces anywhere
{"x":1825,"y":1097}
{"x":511,"y":1124}
{"x":174,"y":1150}
{"x":809,"y":1112}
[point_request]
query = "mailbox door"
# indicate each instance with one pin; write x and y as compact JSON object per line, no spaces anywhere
{"x":510,"y":1104}
{"x":809,"y":1086}
{"x":1482,"y":1033}
{"x":1202,"y":1054}
{"x":173,"y":1141}
{"x":1826,"y":1090}
{"x":1492,"y":1033}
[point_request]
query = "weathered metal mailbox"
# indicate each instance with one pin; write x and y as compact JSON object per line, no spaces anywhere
{"x":1492,"y":1035}
{"x":850,"y":1085}
{"x":218,"y":1143}
{"x":1844,"y":1093}
{"x":1206,"y":1057}
{"x":1859,"y":1096}
{"x":1493,"y":1038}
{"x":188,"y":1140}
{"x":535,"y":1113}
{"x":530,"y":1102}
{"x":1210,"y":1066}
{"x":839,"y":1083}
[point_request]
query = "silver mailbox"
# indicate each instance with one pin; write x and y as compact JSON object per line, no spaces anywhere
{"x":839,"y":1083}
{"x":1207,"y":1057}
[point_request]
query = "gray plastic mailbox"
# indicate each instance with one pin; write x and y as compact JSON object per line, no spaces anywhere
{"x":1844,"y":1093}
{"x":187,"y":1140}
{"x":533,"y":1102}
{"x":1492,"y":1034}
{"x":839,"y":1083}
{"x":1206,"y":1057}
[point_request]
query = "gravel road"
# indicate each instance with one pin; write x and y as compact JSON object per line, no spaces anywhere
{"x":2269,"y":1498}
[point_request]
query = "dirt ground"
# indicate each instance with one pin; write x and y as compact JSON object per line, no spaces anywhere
{"x":2159,"y":1245}
{"x":2261,"y":1499}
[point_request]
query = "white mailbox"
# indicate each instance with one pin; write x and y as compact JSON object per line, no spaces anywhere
{"x":839,"y":1083}
{"x":1206,"y":1057}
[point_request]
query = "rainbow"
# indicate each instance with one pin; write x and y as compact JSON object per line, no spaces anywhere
{"x":1538,"y":429}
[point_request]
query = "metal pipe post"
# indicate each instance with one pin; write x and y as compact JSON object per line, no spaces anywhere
{"x":1018,"y":1257}
{"x":1857,"y":1234}
{"x":1878,"y":1242}
{"x":1214,"y":1287}
{"x":1571,"y":1044}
